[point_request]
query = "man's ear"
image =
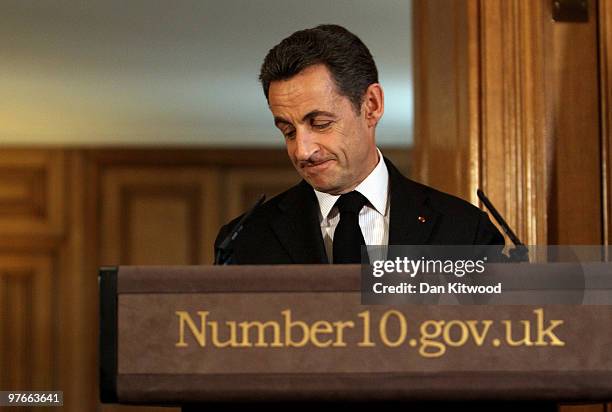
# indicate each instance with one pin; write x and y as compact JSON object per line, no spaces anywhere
{"x":373,"y":104}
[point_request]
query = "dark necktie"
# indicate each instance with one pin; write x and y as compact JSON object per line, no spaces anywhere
{"x":348,"y":238}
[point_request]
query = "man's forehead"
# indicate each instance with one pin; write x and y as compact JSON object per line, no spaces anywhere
{"x":303,"y":93}
{"x":298,"y":88}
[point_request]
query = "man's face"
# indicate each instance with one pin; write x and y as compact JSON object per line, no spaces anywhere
{"x":331,"y":146}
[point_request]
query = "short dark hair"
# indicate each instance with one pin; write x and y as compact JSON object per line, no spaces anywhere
{"x":344,"y":54}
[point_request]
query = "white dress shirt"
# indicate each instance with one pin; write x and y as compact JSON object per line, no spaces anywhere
{"x":373,"y":217}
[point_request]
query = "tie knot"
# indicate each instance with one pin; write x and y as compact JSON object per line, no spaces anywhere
{"x":351,"y":202}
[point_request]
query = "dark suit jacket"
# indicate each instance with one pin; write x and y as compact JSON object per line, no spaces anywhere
{"x":286,"y":229}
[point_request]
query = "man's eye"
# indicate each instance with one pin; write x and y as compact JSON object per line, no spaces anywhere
{"x":321,"y":126}
{"x":289,"y":134}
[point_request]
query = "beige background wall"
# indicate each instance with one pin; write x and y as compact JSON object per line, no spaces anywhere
{"x":180,"y":72}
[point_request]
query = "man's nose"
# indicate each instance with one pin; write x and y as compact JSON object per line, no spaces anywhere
{"x":305,"y":145}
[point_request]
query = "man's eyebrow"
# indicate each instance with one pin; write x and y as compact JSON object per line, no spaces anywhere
{"x":279,"y":120}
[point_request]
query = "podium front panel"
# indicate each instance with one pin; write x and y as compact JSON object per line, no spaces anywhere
{"x":175,"y":335}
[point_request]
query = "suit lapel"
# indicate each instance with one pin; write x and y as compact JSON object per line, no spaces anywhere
{"x":298,"y":228}
{"x":411,"y":221}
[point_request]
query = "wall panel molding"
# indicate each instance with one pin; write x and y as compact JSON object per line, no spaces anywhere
{"x":515,"y":125}
{"x":159,"y":215}
{"x":31,"y":192}
{"x":26,"y":326}
{"x":446,"y":128}
{"x":605,"y":67}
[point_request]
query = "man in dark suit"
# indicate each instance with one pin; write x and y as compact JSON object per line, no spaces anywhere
{"x":322,"y":89}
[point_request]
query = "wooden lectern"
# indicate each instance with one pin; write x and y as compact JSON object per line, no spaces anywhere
{"x":218,"y":334}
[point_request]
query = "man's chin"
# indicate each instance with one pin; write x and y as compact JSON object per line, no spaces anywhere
{"x":324,"y":182}
{"x":319,"y":185}
{"x":325,"y":187}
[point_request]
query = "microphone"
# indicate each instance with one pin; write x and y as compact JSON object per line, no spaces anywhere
{"x":224,"y":252}
{"x":520,"y":253}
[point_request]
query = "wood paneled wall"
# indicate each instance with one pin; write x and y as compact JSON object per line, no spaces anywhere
{"x":605,"y":67}
{"x":65,"y":212}
{"x":446,"y":150}
{"x":507,"y":100}
{"x":32,"y":221}
{"x":511,"y":101}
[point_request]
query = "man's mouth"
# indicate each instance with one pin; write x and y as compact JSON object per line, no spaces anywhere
{"x":318,"y":166}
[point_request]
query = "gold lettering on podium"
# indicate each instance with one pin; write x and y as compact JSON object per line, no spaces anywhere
{"x":391,"y":330}
{"x":199,"y":334}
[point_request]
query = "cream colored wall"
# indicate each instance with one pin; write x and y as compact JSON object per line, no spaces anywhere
{"x":160,"y":72}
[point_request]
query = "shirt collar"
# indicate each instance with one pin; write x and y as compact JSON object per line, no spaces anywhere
{"x":375,"y":188}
